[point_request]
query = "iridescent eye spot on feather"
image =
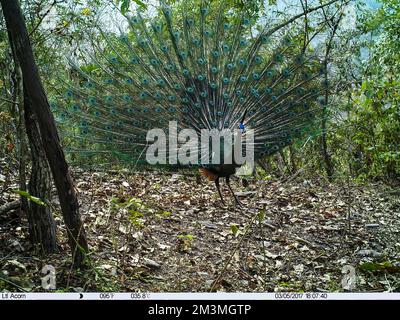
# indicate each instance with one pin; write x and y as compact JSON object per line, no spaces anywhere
{"x":200,"y":77}
{"x":69,"y":94}
{"x":170,"y":67}
{"x":134,"y":60}
{"x":227,"y":26}
{"x":264,"y":39}
{"x":167,"y":12}
{"x":306,"y":76}
{"x":269,"y":73}
{"x":76,"y":107}
{"x":143,"y":95}
{"x":230,"y":66}
{"x":135,"y":20}
{"x":214,"y":70}
{"x":157,"y":27}
{"x":92,"y":100}
{"x":208,"y":33}
{"x":279,"y":57}
{"x":213,"y":85}
{"x":186,"y":72}
{"x":299,"y":59}
{"x":243,"y":42}
{"x":204,"y":11}
{"x":196,"y":42}
{"x":189,"y":22}
{"x":286,"y":72}
{"x":225,"y":80}
{"x":142,"y":42}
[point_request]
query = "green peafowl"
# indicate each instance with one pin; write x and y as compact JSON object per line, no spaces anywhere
{"x":205,"y":67}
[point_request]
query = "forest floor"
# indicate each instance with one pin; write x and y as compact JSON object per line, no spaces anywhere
{"x":169,"y":232}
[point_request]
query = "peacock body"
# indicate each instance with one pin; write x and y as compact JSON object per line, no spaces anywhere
{"x":203,"y":67}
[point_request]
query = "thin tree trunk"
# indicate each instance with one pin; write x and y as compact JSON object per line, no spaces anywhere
{"x":19,"y":41}
{"x":16,"y":89}
{"x":41,"y":222}
{"x":324,"y":145}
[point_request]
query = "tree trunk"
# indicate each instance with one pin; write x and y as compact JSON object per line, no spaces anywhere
{"x":16,"y":89}
{"x":40,"y":106}
{"x":324,"y":145}
{"x":41,"y":223}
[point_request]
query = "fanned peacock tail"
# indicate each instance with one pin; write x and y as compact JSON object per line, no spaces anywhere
{"x":204,"y":67}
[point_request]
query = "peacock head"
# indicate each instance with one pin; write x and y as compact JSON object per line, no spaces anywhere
{"x":242,"y":127}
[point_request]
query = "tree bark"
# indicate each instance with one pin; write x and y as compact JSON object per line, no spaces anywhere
{"x":42,"y":226}
{"x":324,"y":145}
{"x":34,"y":89}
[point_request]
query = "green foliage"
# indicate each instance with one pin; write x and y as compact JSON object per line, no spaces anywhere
{"x":26,"y":194}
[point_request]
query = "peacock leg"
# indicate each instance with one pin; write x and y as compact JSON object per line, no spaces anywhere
{"x":219,"y":190}
{"x":233,"y":193}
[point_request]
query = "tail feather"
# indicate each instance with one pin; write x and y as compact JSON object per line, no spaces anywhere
{"x":206,"y":68}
